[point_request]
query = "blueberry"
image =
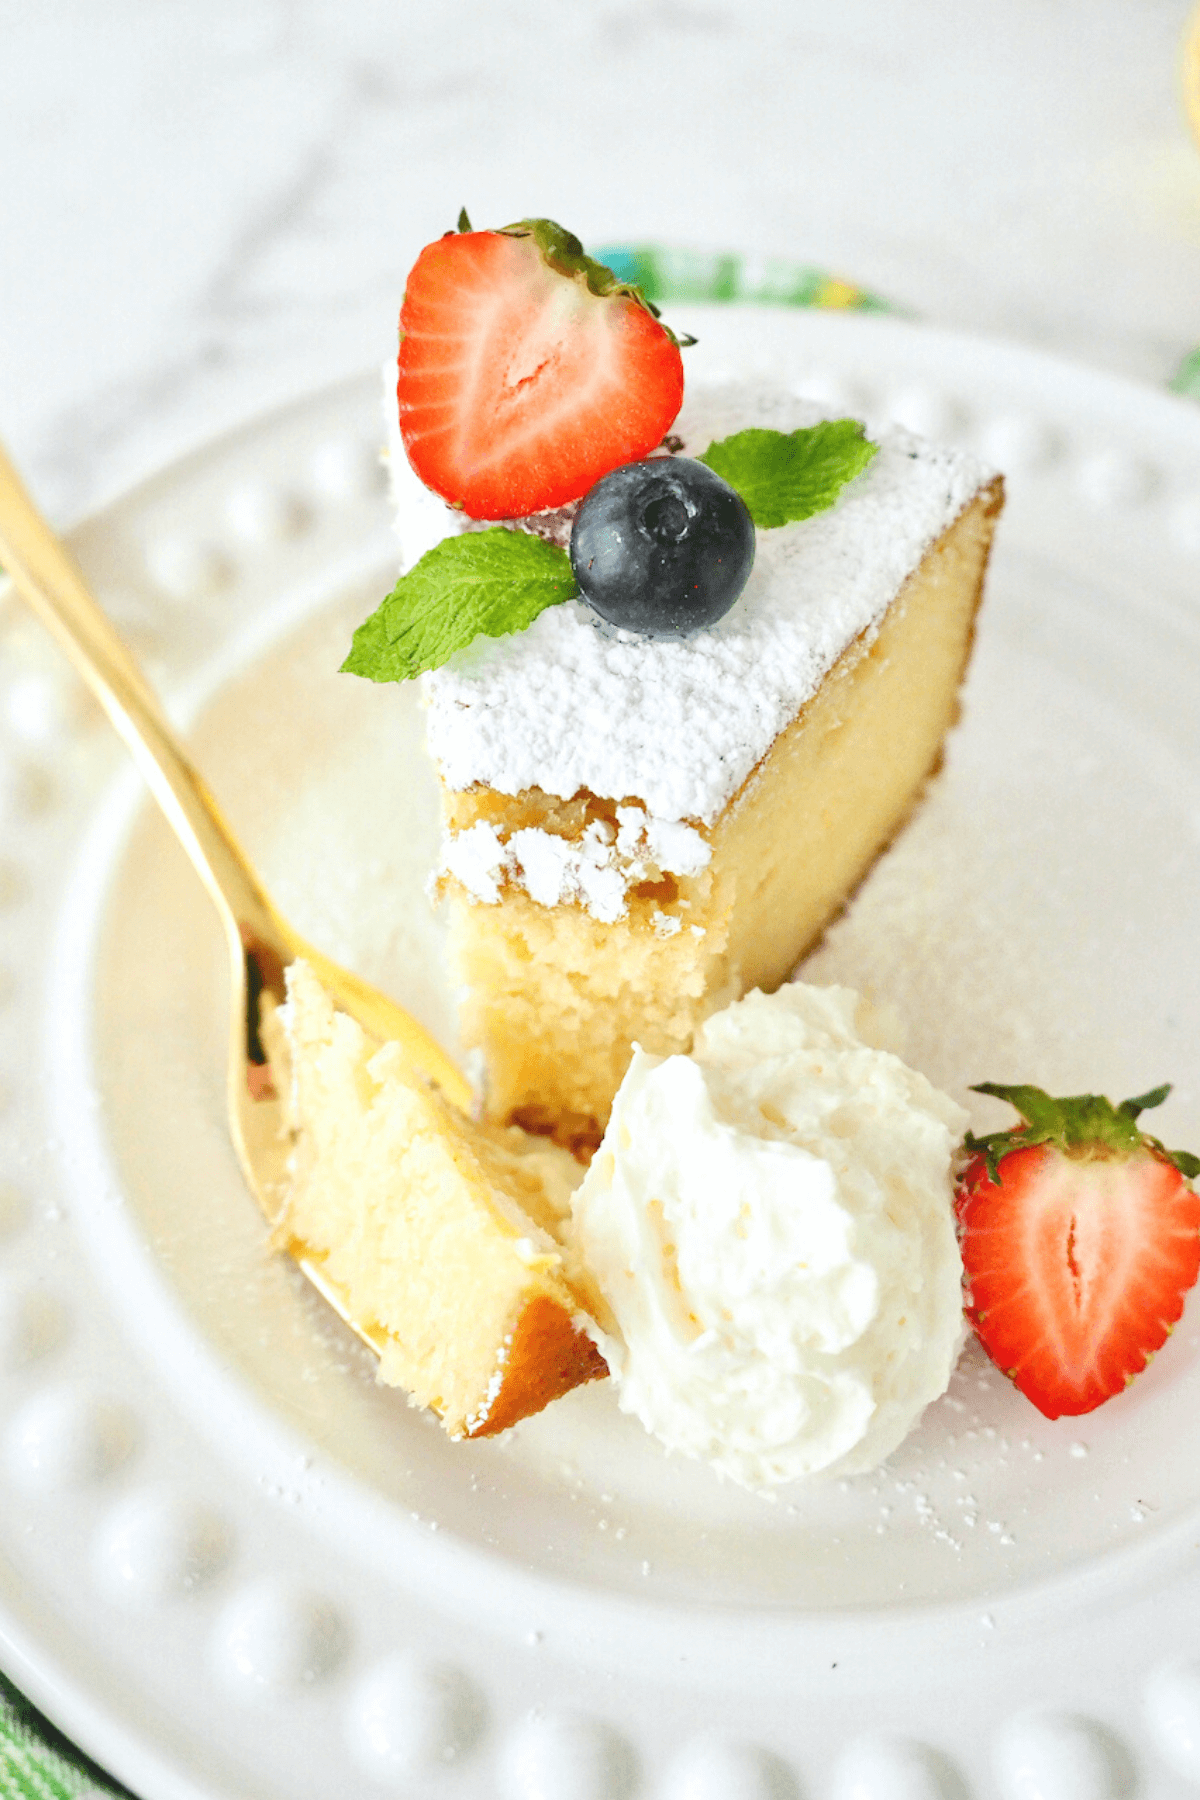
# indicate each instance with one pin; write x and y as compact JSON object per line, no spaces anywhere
{"x":663,"y":547}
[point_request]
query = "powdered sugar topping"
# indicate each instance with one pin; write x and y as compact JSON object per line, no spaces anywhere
{"x":595,"y":870}
{"x":572,"y":704}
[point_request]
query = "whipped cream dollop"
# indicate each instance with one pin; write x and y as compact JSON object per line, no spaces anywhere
{"x":769,"y":1222}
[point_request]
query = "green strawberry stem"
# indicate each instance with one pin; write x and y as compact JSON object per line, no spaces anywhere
{"x":1086,"y":1126}
{"x":562,"y":251}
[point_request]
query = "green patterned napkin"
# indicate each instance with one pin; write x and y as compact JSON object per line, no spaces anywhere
{"x":1187,"y":378}
{"x":37,"y":1762}
{"x":665,"y":275}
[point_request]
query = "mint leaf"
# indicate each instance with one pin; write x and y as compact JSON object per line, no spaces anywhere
{"x":485,"y":582}
{"x":785,"y":475}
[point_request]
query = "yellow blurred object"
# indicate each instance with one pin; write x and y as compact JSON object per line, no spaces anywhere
{"x":1191,"y":72}
{"x":838,"y":294}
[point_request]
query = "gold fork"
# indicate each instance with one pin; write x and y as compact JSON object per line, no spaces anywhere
{"x":261,"y":944}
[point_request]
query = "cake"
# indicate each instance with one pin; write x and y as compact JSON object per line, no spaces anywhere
{"x":638,"y":831}
{"x":686,"y":673}
{"x":684,"y":687}
{"x":437,"y":1235}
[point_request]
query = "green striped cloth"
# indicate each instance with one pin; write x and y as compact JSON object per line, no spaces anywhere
{"x":665,"y":275}
{"x":1187,"y":380}
{"x":36,"y":1762}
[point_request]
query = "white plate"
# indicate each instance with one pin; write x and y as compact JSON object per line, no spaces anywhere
{"x":231,"y":1565}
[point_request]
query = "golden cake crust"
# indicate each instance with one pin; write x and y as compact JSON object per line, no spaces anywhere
{"x":549,"y":1355}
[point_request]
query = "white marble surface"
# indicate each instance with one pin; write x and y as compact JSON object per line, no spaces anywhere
{"x":208,"y":208}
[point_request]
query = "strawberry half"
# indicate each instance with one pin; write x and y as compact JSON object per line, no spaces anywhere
{"x":527,"y":371}
{"x":1080,"y":1238}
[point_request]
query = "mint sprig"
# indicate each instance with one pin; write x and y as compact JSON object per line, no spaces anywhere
{"x":485,"y":583}
{"x":787,"y":475}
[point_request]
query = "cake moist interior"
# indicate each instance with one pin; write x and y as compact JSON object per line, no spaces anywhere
{"x":554,"y":997}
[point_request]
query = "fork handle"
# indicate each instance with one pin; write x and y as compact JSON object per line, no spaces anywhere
{"x":50,"y":580}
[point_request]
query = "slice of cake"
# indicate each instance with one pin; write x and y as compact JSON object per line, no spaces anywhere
{"x":639,"y":830}
{"x":437,"y":1236}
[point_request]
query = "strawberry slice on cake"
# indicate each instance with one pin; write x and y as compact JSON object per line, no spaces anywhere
{"x":527,"y":370}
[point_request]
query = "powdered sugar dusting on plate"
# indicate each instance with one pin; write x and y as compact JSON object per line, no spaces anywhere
{"x":571,"y":703}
